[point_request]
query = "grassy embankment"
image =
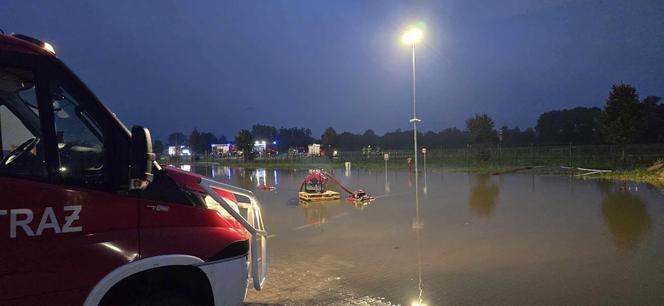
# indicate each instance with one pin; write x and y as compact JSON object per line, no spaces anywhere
{"x":639,"y":175}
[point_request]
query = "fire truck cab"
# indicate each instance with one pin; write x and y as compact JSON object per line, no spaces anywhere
{"x":86,"y":215}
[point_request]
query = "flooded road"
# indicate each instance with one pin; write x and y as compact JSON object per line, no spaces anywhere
{"x":500,"y":240}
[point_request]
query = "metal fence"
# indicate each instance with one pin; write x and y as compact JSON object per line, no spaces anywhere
{"x":577,"y":156}
{"x":597,"y":156}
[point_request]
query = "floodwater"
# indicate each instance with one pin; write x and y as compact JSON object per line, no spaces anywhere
{"x":513,"y":239}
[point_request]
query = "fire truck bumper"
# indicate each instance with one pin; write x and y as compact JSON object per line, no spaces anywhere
{"x":228,"y":280}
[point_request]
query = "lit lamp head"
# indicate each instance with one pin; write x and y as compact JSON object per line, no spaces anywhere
{"x":412,"y":36}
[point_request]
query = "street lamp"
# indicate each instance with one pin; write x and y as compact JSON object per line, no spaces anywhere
{"x":411,"y":37}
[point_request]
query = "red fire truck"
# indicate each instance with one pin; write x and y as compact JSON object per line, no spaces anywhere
{"x":86,"y":215}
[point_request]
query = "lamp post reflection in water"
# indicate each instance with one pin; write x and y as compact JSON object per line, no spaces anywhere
{"x":418,"y":226}
{"x":424,"y":153}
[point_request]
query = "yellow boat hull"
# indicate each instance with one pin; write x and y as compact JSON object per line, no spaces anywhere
{"x":319,"y":196}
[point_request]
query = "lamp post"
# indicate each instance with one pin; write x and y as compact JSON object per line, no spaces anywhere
{"x":413,"y":36}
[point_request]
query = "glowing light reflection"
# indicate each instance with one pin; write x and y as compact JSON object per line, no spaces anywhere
{"x":116,"y":249}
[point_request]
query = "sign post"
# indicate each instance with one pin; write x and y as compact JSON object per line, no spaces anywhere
{"x":424,"y":152}
{"x":386,"y":157}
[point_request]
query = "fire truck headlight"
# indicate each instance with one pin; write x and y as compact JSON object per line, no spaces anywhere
{"x":214,"y":205}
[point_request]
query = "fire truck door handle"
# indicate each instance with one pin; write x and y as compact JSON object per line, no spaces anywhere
{"x":158,"y":207}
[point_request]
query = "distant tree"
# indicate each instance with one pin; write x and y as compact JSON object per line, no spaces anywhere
{"x":481,"y":129}
{"x":222,"y":139}
{"x":652,"y":120}
{"x":452,"y":137}
{"x":177,"y":139}
{"x":263,"y":132}
{"x":528,"y":137}
{"x":621,"y":115}
{"x":398,"y":139}
{"x":197,"y":142}
{"x":245,"y":143}
{"x":209,"y":139}
{"x":293,"y":138}
{"x":516,"y":137}
{"x":158,"y":147}
{"x":329,"y":141}
{"x":369,"y":138}
{"x":580,"y":125}
{"x":429,"y":139}
{"x":350,"y":141}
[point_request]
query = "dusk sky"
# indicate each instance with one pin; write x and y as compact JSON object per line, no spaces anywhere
{"x":221,"y":66}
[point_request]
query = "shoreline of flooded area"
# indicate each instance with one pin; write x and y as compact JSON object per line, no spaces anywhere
{"x":480,"y":239}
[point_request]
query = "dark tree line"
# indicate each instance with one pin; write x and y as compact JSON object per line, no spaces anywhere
{"x":624,"y":119}
{"x":198,"y":142}
{"x":580,"y":125}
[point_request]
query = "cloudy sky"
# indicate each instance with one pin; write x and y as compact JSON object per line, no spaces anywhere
{"x":224,"y":65}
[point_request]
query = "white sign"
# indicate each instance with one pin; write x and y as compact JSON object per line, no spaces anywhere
{"x":386,"y":156}
{"x":424,"y":150}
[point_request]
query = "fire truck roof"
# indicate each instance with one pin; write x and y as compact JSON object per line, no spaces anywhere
{"x":25,"y":44}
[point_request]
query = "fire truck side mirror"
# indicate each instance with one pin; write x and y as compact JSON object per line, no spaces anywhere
{"x":142,"y":158}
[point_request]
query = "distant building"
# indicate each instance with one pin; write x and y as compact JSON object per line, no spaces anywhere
{"x":260,"y":147}
{"x":222,"y":148}
{"x":179,"y":151}
{"x":313,"y":149}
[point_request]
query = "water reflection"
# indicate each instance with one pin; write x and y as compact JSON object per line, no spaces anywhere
{"x":545,"y":233}
{"x":387,"y":186}
{"x":425,"y":190}
{"x":259,"y":177}
{"x":316,"y":213}
{"x":625,"y":214}
{"x":483,"y":195}
{"x":244,"y":178}
{"x":418,"y":226}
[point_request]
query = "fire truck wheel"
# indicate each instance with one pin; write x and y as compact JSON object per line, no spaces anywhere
{"x":177,"y":285}
{"x":168,"y":298}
